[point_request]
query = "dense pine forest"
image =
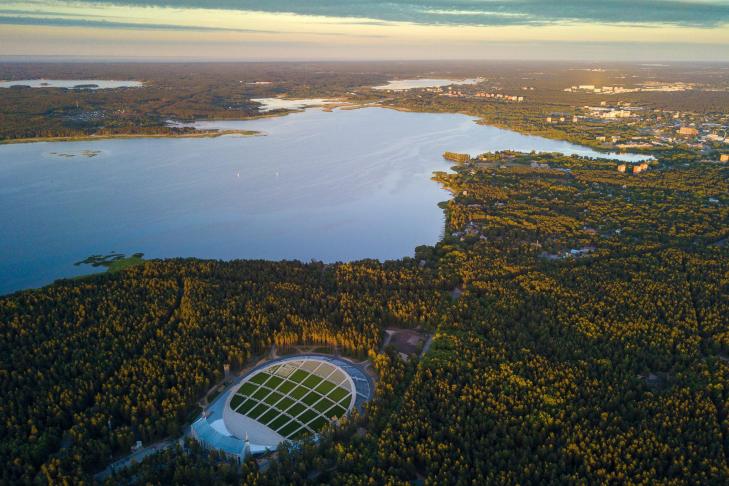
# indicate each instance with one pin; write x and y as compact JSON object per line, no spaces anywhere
{"x":587,"y":342}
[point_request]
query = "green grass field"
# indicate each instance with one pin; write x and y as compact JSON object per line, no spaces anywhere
{"x":335,"y":411}
{"x":311,"y":398}
{"x":257,"y":410}
{"x":307,"y":416}
{"x":124,"y":263}
{"x":292,"y":427}
{"x":248,"y":405}
{"x":273,"y":398}
{"x":285,"y":403}
{"x":235,"y":401}
{"x":261,"y":393}
{"x":259,"y":379}
{"x":292,"y":400}
{"x":325,"y":387}
{"x":286,"y":387}
{"x":323,"y":405}
{"x":318,"y":423}
{"x":296,"y":409}
{"x":312,"y":381}
{"x":274,"y":381}
{"x":298,"y":376}
{"x":338,"y":394}
{"x":299,"y":392}
{"x":269,"y":416}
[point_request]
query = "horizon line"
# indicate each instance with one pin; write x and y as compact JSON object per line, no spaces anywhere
{"x":53,"y":58}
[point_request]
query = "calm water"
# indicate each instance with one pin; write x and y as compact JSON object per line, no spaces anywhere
{"x":71,"y":83}
{"x":405,"y":84}
{"x":344,"y":185}
{"x":269,"y":104}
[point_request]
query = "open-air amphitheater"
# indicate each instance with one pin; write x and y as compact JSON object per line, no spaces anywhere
{"x":283,"y":399}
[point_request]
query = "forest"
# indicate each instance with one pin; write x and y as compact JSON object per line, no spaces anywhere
{"x":177,"y":91}
{"x":200,"y":91}
{"x":588,"y":342}
{"x":90,"y":366}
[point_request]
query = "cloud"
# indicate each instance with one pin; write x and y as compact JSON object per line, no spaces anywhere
{"x":384,"y":29}
{"x":33,"y":18}
{"x":71,"y":22}
{"x":695,"y":13}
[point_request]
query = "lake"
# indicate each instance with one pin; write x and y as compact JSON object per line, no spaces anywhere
{"x":405,"y":84}
{"x":72,"y":83}
{"x":270,"y":104}
{"x":332,"y":186}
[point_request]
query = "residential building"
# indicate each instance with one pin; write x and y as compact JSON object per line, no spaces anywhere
{"x":688,"y":131}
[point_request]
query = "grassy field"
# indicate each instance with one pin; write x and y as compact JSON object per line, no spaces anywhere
{"x":113,"y":262}
{"x":124,"y":263}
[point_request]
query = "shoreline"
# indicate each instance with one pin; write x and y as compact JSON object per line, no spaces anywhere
{"x":345,"y":106}
{"x":87,"y":138}
{"x":481,"y":120}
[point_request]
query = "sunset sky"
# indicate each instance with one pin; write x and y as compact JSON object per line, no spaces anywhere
{"x":368,"y":29}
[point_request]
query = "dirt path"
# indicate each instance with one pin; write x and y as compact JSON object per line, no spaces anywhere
{"x":426,"y":347}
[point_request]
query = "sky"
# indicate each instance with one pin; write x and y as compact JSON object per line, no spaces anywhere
{"x":247,"y":30}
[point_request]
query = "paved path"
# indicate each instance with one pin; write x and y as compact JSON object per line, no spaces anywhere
{"x":137,"y":457}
